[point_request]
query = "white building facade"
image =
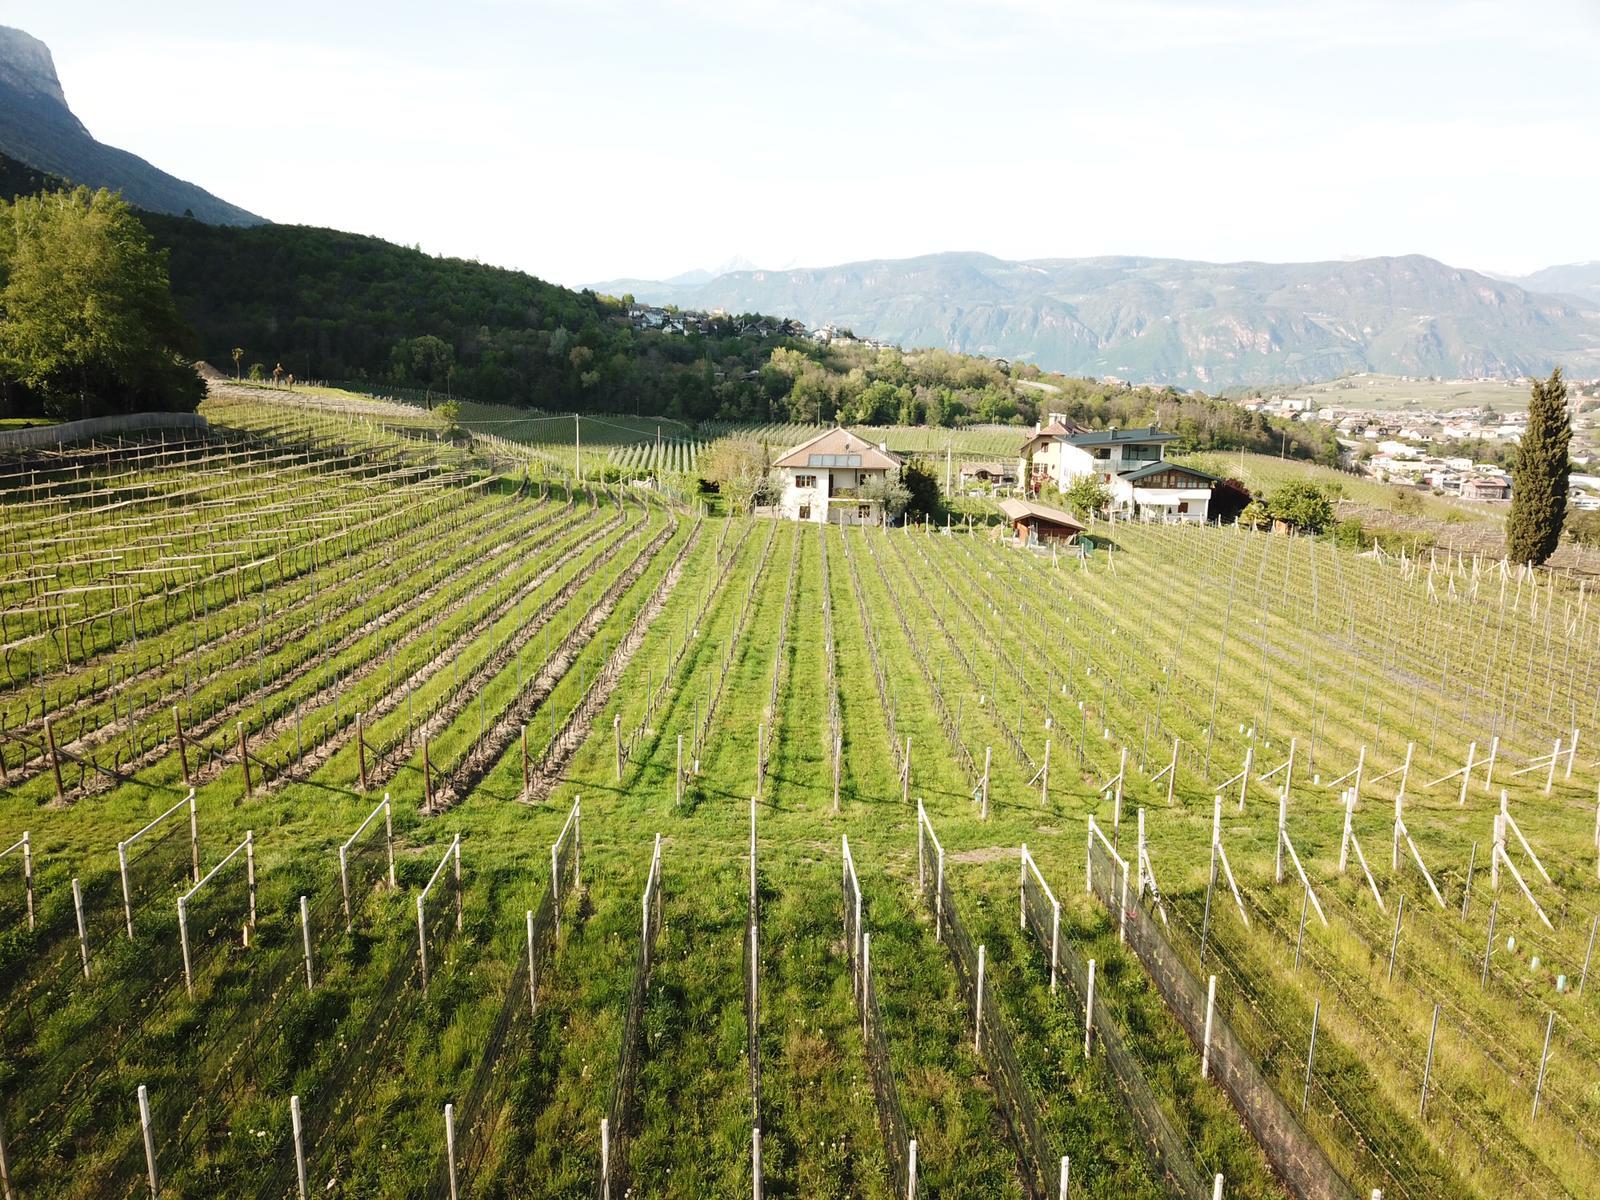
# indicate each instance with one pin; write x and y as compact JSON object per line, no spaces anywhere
{"x":821,"y":480}
{"x":1129,"y":463}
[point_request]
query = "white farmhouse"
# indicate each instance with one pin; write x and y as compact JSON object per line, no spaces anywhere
{"x":822,"y":479}
{"x":1129,"y":463}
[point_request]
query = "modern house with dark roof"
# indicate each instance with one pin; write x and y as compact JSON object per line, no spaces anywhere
{"x":822,"y":479}
{"x":1129,"y":463}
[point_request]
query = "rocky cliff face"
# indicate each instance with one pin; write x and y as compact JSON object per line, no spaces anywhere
{"x":38,"y":129}
{"x":27,"y":68}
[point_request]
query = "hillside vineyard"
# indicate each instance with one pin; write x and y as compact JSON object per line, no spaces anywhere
{"x":386,"y":815}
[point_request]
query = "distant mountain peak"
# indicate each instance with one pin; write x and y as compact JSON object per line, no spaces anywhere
{"x":27,"y":66}
{"x":39,"y":130}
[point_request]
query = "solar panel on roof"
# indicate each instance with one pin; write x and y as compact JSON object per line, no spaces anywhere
{"x":833,"y":460}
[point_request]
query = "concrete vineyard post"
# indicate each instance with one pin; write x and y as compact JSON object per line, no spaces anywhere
{"x":299,"y":1145}
{"x":605,"y":1158}
{"x":533,"y":983}
{"x":1544,"y":1061}
{"x":755,"y":1163}
{"x":1066,"y":1170}
{"x":1088,"y":1013}
{"x":1211,"y":1009}
{"x":305,"y":937}
{"x":450,"y":1147}
{"x":1300,"y":937}
{"x":838,"y":751}
{"x":427,"y":777}
{"x":1311,"y":1054}
{"x":183,"y":937}
{"x":194,"y":837}
{"x":911,"y":1170}
{"x":149,"y":1142}
{"x":1588,"y":955}
{"x":388,"y":838}
{"x":422,"y":944}
{"x":1216,"y":1187}
{"x":1394,"y":941}
{"x":5,"y":1168}
{"x":616,"y":729}
{"x":977,"y":1014}
{"x":988,"y":752}
{"x":1427,"y":1069}
{"x":1466,"y":774}
{"x":83,"y":933}
{"x":1488,"y":947}
{"x":250,"y":880}
{"x":344,"y":887}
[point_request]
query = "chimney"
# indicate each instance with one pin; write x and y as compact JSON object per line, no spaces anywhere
{"x":884,"y":446}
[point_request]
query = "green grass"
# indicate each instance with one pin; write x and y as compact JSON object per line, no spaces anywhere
{"x":1226,"y":640}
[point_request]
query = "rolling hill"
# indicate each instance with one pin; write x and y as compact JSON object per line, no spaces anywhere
{"x":1196,"y":324}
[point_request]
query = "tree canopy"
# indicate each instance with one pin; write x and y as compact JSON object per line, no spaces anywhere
{"x":87,"y":322}
{"x":1539,"y":478}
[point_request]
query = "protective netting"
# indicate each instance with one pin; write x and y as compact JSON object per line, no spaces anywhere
{"x":891,"y":1117}
{"x":1294,"y":1154}
{"x":613,"y":1179}
{"x":996,"y":1048}
{"x":219,"y":916}
{"x":1165,"y":1149}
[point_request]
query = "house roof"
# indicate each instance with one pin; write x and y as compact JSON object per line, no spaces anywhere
{"x":1155,"y":468}
{"x":1057,"y":428}
{"x":1019,"y":510}
{"x":1107,"y":437}
{"x":840,"y":448}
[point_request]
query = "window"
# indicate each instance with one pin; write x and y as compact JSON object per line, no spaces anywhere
{"x":1183,"y":506}
{"x":805,"y":481}
{"x":805,"y":512}
{"x":864,"y":511}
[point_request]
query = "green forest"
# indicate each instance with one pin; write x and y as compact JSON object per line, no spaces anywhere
{"x":331,"y":306}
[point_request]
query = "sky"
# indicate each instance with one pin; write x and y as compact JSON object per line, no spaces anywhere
{"x":585,"y":140}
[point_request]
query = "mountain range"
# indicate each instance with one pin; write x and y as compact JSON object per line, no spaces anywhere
{"x":39,"y":129}
{"x":1192,"y":324}
{"x":1157,"y":320}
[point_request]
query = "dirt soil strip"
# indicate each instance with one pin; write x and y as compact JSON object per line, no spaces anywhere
{"x":482,"y":758}
{"x":384,"y":763}
{"x":578,"y":726}
{"x":315,"y":757}
{"x":83,"y":746}
{"x":133,"y":679}
{"x":544,"y":681}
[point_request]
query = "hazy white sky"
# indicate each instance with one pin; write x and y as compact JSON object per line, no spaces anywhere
{"x":587,"y":139}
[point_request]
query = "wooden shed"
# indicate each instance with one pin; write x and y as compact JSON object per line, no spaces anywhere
{"x":1039,"y":524}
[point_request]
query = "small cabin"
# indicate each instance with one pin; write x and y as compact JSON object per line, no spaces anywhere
{"x":1039,"y":524}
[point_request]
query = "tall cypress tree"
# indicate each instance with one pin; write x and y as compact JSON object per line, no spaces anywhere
{"x":1539,"y":478}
